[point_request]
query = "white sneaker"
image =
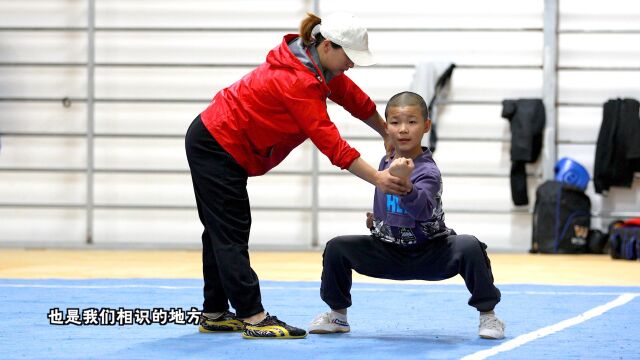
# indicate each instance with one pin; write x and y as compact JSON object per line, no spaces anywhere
{"x":491,"y":327}
{"x":328,"y":323}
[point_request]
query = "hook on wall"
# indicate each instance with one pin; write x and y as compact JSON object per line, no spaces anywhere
{"x":66,"y":102}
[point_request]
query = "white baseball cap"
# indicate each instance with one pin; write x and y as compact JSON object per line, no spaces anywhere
{"x":346,"y":30}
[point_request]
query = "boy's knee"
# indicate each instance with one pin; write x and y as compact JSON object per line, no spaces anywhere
{"x":333,"y":247}
{"x":468,"y":245}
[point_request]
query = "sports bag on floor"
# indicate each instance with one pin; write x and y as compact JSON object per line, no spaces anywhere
{"x":561,"y":219}
{"x":624,"y":237}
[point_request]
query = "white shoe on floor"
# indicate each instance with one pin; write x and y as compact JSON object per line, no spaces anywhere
{"x":491,"y":327}
{"x":329,"y":323}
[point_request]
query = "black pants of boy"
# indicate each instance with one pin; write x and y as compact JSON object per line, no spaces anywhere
{"x":438,"y":259}
{"x":220,"y":187}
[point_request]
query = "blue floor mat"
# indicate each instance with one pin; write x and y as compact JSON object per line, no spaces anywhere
{"x":388,"y":321}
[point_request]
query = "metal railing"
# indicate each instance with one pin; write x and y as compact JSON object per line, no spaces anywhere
{"x":549,"y":69}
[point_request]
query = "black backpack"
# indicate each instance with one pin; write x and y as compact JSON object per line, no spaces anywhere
{"x":561,"y":219}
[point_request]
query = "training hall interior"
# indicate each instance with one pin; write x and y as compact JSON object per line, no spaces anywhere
{"x":96,"y":97}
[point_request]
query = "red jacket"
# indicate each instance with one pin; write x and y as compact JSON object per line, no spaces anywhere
{"x":274,"y":108}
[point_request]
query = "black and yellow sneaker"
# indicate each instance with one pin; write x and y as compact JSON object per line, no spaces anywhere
{"x":272,"y":328}
{"x":223,"y":323}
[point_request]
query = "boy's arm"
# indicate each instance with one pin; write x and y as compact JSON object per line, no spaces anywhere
{"x":402,"y":168}
{"x":421,"y":200}
{"x":381,"y":179}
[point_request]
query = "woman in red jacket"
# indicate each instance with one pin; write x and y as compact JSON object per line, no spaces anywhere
{"x":248,"y":129}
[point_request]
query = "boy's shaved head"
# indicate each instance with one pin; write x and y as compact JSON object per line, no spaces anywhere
{"x":407,"y":98}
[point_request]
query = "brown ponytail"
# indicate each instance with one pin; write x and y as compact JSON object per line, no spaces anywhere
{"x":306,"y":25}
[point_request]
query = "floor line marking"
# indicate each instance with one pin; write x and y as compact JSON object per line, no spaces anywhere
{"x":551,"y":329}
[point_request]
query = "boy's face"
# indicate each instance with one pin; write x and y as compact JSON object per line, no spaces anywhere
{"x":405,"y":127}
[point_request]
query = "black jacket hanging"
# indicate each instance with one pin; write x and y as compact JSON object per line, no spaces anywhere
{"x":527,"y":119}
{"x":618,"y":147}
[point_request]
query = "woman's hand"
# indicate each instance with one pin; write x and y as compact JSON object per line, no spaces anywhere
{"x":390,"y":184}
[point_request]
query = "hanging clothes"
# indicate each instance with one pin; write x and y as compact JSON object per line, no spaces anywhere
{"x":618,"y":146}
{"x":527,"y":119}
{"x":431,"y":80}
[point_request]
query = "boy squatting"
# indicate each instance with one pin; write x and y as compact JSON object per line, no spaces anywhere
{"x":409,"y":239}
